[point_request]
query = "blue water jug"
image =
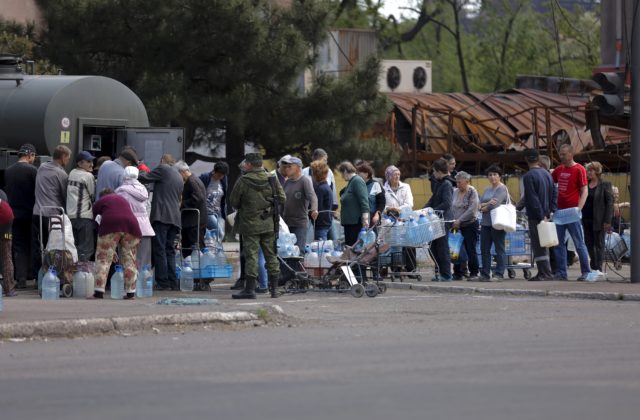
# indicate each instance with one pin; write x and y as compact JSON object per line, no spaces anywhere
{"x":117,"y":283}
{"x":51,"y":285}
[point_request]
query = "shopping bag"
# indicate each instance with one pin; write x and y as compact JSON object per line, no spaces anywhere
{"x":455,"y":244}
{"x":503,"y":217}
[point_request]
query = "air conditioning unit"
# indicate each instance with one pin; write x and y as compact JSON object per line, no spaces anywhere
{"x":405,"y":76}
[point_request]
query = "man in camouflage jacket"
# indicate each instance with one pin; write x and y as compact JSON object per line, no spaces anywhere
{"x":253,"y":197}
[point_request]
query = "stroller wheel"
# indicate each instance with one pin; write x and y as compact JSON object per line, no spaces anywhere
{"x":67,"y":290}
{"x":357,"y":290}
{"x":382,"y":287}
{"x":527,"y":273}
{"x":290,"y":286}
{"x":371,"y":290}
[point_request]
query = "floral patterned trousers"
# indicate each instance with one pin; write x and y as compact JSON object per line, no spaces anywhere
{"x":105,"y":249}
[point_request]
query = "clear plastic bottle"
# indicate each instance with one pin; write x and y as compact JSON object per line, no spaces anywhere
{"x":195,"y":258}
{"x":41,"y":274}
{"x":117,"y":283}
{"x":186,"y":279}
{"x":144,"y":282}
{"x":51,"y":285}
{"x":221,"y":258}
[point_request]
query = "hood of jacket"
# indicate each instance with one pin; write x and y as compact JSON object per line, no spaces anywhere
{"x":257,"y":179}
{"x":134,"y":189}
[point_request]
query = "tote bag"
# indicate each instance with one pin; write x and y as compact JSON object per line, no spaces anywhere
{"x":503,"y":217}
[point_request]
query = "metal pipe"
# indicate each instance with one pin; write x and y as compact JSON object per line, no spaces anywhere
{"x":618,"y":32}
{"x":635,"y":144}
{"x":414,"y":141}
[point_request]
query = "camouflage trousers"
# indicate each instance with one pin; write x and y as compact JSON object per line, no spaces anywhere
{"x":105,"y":251}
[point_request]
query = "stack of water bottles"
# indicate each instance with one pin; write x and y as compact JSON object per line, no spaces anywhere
{"x":566,"y":216}
{"x":213,"y":264}
{"x":316,"y":253}
{"x":287,"y":245}
{"x":418,"y":232}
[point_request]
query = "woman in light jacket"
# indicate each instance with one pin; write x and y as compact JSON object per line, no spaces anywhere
{"x":138,"y":198}
{"x":398,"y":198}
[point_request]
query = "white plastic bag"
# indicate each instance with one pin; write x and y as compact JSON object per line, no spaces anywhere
{"x":503,"y":217}
{"x":63,"y":241}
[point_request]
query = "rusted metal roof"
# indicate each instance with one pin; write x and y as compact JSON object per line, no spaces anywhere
{"x":503,"y":121}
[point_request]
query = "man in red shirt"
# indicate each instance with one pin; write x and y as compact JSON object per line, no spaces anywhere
{"x":571,"y":178}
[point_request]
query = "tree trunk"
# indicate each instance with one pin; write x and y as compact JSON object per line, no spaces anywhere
{"x":458,"y":37}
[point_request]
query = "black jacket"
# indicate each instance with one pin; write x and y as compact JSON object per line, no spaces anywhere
{"x":539,"y":193}
{"x":194,"y":196}
{"x":442,"y":197}
{"x":602,"y":205}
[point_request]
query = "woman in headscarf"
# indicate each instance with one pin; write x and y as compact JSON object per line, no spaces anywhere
{"x":138,"y":198}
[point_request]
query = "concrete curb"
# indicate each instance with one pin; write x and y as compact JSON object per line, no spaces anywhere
{"x":112,"y":325}
{"x":614,"y":296}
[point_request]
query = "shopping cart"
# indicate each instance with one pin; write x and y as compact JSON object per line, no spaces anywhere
{"x":517,"y":244}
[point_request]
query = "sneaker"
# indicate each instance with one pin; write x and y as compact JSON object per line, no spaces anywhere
{"x":558,"y":277}
{"x":435,"y":278}
{"x":484,"y":279}
{"x":445,"y":279}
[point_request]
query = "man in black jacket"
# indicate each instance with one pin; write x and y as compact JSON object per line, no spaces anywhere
{"x":539,"y":202}
{"x":442,"y":200}
{"x":194,"y":197}
{"x":165,"y":219}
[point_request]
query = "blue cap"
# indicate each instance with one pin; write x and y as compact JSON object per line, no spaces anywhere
{"x":84,"y":155}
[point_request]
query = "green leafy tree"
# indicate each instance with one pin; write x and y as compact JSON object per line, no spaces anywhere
{"x":233,"y":62}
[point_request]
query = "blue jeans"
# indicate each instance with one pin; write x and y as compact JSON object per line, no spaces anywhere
{"x":488,"y":236}
{"x":216,"y":223}
{"x":560,"y":251}
{"x":301,"y":236}
{"x":321,"y":234}
{"x":163,"y":254}
{"x":263,"y":279}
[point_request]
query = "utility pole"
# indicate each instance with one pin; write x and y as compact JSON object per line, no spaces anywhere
{"x":635,"y":143}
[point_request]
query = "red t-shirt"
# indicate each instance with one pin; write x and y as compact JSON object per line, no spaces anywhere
{"x":570,"y":180}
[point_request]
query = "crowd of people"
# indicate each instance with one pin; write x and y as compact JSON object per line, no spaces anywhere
{"x":114,"y":215}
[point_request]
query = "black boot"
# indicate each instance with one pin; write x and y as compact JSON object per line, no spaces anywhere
{"x":248,"y":292}
{"x":273,"y":286}
{"x":238,"y":285}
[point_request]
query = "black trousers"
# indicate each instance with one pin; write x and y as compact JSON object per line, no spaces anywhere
{"x":191,"y":237}
{"x":470,"y":234}
{"x":594,"y":239}
{"x":22,"y":249}
{"x":440,"y":252}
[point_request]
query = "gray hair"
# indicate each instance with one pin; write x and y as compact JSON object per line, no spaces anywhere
{"x":545,"y":162}
{"x":181,"y":166}
{"x":463,"y":175}
{"x":318,"y":154}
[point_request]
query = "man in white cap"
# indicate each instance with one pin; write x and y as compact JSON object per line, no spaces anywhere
{"x":301,"y":200}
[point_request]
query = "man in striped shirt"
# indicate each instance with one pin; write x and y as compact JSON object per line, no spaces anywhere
{"x":81,"y":192}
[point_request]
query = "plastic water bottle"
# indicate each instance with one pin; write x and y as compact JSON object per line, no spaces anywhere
{"x":296,"y":251}
{"x":117,"y":283}
{"x":51,"y":285}
{"x":220,"y":259}
{"x":144,"y":282}
{"x":195,"y":258}
{"x":186,"y":280}
{"x":412,"y":232}
{"x":207,"y":258}
{"x":209,"y":240}
{"x":83,"y":283}
{"x":178,"y":272}
{"x":362,"y":236}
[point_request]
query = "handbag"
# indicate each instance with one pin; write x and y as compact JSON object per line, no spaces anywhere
{"x":503,"y":217}
{"x":455,"y":244}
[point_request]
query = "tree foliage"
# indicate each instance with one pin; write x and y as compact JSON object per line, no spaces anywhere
{"x":198,"y":63}
{"x":498,"y":39}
